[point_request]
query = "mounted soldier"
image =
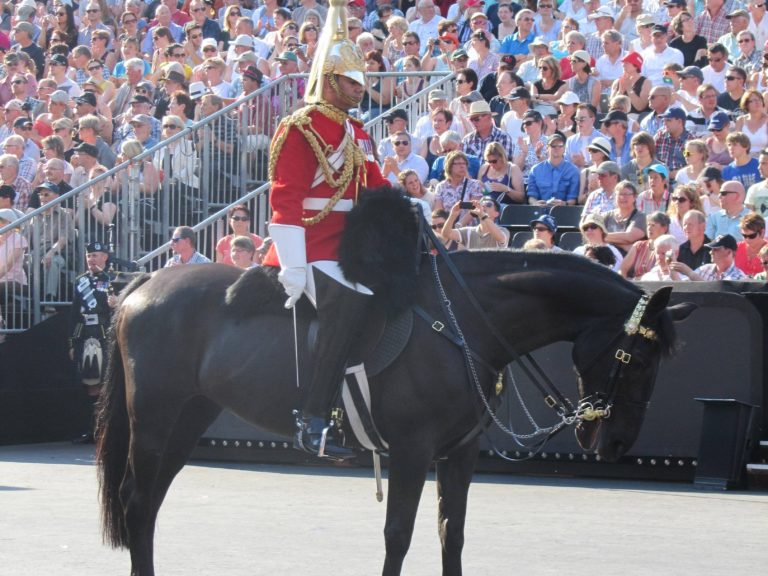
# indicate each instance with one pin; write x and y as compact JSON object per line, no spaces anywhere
{"x":319,"y":161}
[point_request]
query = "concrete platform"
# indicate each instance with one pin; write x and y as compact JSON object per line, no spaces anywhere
{"x":247,"y":519}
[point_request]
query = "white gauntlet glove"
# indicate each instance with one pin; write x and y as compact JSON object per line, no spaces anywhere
{"x":294,"y":280}
{"x":292,"y":252}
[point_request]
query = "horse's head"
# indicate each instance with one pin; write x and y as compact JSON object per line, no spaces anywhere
{"x":617,"y":367}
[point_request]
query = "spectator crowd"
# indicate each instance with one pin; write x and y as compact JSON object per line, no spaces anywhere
{"x":651,"y":115}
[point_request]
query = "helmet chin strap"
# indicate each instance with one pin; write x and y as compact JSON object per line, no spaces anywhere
{"x":344,"y":99}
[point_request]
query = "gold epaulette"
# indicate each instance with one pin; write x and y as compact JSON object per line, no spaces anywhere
{"x":354,"y":158}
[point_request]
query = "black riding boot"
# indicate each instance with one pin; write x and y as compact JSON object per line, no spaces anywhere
{"x":341,"y":314}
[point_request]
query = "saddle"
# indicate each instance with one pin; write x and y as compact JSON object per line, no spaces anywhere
{"x":379,"y":346}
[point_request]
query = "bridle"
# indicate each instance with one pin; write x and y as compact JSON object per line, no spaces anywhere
{"x":588,"y":408}
{"x":599,"y":405}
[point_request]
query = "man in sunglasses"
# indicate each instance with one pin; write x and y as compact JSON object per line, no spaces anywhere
{"x":518,"y":43}
{"x":732,"y":209}
{"x":555,"y":181}
{"x":750,"y":59}
{"x":723,"y":266}
{"x":184,"y":246}
{"x":735,"y":86}
{"x":714,"y":73}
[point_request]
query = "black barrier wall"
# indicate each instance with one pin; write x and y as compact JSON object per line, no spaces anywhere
{"x":720,"y":355}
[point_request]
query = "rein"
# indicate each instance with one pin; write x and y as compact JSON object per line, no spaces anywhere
{"x":586,"y":410}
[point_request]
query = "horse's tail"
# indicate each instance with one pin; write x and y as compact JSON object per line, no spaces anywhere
{"x":113,"y":434}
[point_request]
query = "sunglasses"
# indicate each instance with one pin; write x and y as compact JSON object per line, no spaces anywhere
{"x":557,"y":145}
{"x":400,"y":143}
{"x":61,"y":13}
{"x":732,"y":78}
{"x":19,"y":82}
{"x":92,"y":11}
{"x":492,"y":161}
{"x":408,"y":43}
{"x":171,"y":127}
{"x":680,"y":199}
{"x":178,"y":55}
{"x":487,"y":204}
{"x":209,"y":49}
{"x":528,"y":123}
{"x":240,"y":218}
{"x":589,"y":227}
{"x":437,"y":226}
{"x":130,"y":21}
{"x":751,"y":236}
{"x":235,"y":13}
{"x":310,"y":29}
{"x":178,"y":239}
{"x":94,"y":68}
{"x":726,"y":192}
{"x":198,"y":10}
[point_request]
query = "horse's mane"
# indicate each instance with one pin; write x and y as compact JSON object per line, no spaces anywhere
{"x":256,"y":292}
{"x":564,"y":263}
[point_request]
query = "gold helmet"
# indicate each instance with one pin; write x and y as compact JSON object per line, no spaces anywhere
{"x":336,"y":54}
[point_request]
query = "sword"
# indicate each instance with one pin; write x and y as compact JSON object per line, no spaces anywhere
{"x":296,"y":344}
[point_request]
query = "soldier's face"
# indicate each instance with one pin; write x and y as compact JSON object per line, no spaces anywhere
{"x":353,"y":90}
{"x":96,"y":261}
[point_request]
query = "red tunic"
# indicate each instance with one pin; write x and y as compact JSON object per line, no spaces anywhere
{"x":292,"y":180}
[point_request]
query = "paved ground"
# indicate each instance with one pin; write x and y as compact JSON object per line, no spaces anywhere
{"x":238,"y":520}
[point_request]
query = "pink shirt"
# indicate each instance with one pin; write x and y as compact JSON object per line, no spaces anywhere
{"x":11,"y":242}
{"x":223,"y":246}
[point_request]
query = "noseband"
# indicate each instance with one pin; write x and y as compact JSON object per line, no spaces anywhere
{"x":590,"y":409}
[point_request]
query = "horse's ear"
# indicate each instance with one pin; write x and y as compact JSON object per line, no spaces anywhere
{"x":658,"y":302}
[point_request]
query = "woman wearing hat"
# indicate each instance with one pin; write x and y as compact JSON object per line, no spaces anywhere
{"x":633,"y":84}
{"x":599,"y":151}
{"x":643,"y":26}
{"x":566,"y":120}
{"x":594,"y":233}
{"x":583,"y":83}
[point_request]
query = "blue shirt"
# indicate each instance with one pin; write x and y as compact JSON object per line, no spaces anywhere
{"x":547,"y":181}
{"x":622,"y":156}
{"x":747,"y":174}
{"x":720,"y":223}
{"x":437,"y":172}
{"x":513,"y":45}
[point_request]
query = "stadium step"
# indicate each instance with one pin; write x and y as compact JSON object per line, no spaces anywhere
{"x":757,"y":472}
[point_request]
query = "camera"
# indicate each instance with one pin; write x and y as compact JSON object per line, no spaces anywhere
{"x":669,"y":255}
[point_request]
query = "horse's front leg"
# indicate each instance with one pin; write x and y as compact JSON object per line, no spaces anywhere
{"x":453,"y":478}
{"x":408,"y":469}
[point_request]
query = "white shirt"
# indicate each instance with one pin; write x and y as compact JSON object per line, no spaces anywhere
{"x":424,"y":128}
{"x":512,"y":125}
{"x":759,"y":30}
{"x":607,"y":70}
{"x":717,"y":79}
{"x":653,"y":63}
{"x":412,"y":162}
{"x":425,"y":30}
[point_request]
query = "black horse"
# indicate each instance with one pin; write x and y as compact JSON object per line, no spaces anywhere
{"x":181,"y":352}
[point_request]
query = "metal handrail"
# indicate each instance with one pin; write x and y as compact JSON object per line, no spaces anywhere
{"x":277,"y":93}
